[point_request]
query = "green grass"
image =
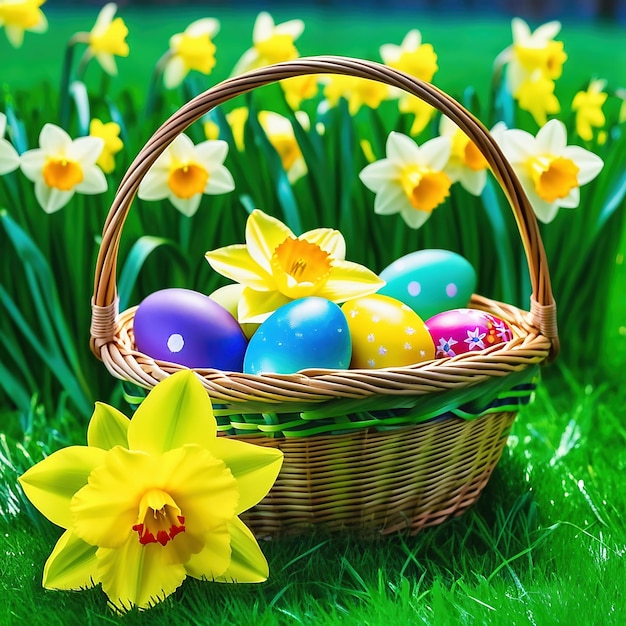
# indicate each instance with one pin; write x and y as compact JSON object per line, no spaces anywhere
{"x":544,"y":545}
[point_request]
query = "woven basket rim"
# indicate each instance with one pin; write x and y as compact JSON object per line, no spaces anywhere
{"x":536,"y":331}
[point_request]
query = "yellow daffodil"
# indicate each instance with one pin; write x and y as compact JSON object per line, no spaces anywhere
{"x":299,"y":88}
{"x":186,"y":171}
{"x":411,"y":180}
{"x":536,"y":95}
{"x":192,"y":49}
{"x":588,"y":108}
{"x":411,"y":56}
{"x":271,"y":43}
{"x":107,"y":39}
{"x":550,"y":171}
{"x":421,"y":110}
{"x":280,"y":134}
{"x":110,"y":134}
{"x":152,"y":500}
{"x":276,"y":267}
{"x":9,"y":158}
{"x":62,"y":166}
{"x":466,"y":165}
{"x":531,"y":53}
{"x":357,"y":91}
{"x":18,"y":16}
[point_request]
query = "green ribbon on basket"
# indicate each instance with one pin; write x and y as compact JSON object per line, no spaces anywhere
{"x":498,"y":394}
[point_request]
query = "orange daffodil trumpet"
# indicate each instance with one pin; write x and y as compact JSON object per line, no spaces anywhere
{"x":18,"y":16}
{"x":61,"y":167}
{"x":186,"y":171}
{"x":275,"y":267}
{"x":9,"y":158}
{"x":271,"y":43}
{"x":411,"y":180}
{"x":550,"y":171}
{"x":152,"y":500}
{"x":192,"y":49}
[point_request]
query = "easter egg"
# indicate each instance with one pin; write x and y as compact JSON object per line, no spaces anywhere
{"x":430,"y":281}
{"x":306,"y":333}
{"x":186,"y":327}
{"x":386,"y":333}
{"x":228,"y":296}
{"x":466,"y":330}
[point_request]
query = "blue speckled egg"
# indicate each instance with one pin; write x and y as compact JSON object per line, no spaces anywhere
{"x":430,"y":281}
{"x":306,"y":333}
{"x":186,"y":327}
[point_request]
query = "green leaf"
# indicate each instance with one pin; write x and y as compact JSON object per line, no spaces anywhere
{"x":78,"y":91}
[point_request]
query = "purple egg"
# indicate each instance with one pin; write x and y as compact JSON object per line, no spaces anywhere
{"x":186,"y":327}
{"x":466,"y":330}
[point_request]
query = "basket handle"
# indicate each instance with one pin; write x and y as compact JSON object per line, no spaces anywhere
{"x":542,"y":315}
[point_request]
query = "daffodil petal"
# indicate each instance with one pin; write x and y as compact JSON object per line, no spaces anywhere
{"x":291,"y":27}
{"x":436,"y":152}
{"x":248,"y":60}
{"x":204,"y":26}
{"x":589,"y":164}
{"x":212,"y":151}
{"x":94,"y":181}
{"x":263,"y":27}
{"x":85,"y":150}
{"x":220,"y":181}
{"x":53,"y":139}
{"x":552,"y":137}
{"x":247,"y":562}
{"x":329,"y":240}
{"x":174,"y":72}
{"x":135,"y":575}
{"x":72,"y":564}
{"x":9,"y":159}
{"x":177,"y":411}
{"x":154,"y":186}
{"x":51,"y":484}
{"x":235,"y":262}
{"x":390,"y":199}
{"x":256,"y":306}
{"x":32,"y":162}
{"x":349,"y":280}
{"x":107,"y":428}
{"x":214,"y":558}
{"x":402,"y":149}
{"x":51,"y":199}
{"x":255,"y":468}
{"x":264,"y":234}
{"x":376,"y":174}
{"x":187,"y":206}
{"x":516,"y":144}
{"x":414,"y":218}
{"x":107,"y":62}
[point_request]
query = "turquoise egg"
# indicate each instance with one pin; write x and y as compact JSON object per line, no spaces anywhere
{"x":306,"y":333}
{"x":430,"y":281}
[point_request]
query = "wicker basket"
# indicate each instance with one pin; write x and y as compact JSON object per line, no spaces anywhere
{"x":416,"y":458}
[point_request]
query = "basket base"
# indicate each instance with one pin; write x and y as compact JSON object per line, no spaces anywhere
{"x":380,"y":482}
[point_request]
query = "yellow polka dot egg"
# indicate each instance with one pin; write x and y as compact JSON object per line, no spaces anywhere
{"x":386,"y":333}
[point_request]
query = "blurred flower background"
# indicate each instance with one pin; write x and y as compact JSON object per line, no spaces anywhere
{"x":85,"y":85}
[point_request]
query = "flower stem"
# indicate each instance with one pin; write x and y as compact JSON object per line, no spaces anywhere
{"x":64,"y":107}
{"x":155,"y":80}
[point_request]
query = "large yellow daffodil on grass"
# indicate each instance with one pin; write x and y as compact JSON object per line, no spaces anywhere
{"x":276,"y":267}
{"x":152,"y":500}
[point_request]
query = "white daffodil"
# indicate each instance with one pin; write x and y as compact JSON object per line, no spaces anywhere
{"x":550,"y":171}
{"x":9,"y":158}
{"x":107,"y":38}
{"x":411,"y":180}
{"x":62,"y":166}
{"x":271,"y":43}
{"x":532,"y":51}
{"x":186,"y":171}
{"x":466,"y":165}
{"x":192,"y":49}
{"x":18,"y":16}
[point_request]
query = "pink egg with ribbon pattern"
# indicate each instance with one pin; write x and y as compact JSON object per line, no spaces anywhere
{"x":466,"y":330}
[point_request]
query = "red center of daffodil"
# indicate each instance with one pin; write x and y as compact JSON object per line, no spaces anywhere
{"x":160,"y":520}
{"x":426,"y":189}
{"x":187,"y":180}
{"x":301,"y":261}
{"x":62,"y":174}
{"x":554,"y":177}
